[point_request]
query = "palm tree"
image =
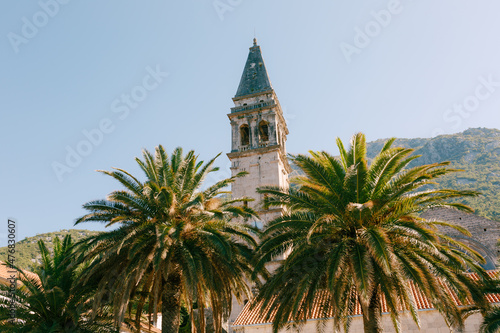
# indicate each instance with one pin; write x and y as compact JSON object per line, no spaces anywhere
{"x":491,"y":321}
{"x":352,"y":230}
{"x":491,"y":315}
{"x":46,"y":302}
{"x":173,"y":243}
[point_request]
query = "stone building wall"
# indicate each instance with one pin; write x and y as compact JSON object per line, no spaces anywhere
{"x":431,"y":322}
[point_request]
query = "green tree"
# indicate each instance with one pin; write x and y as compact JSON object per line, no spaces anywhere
{"x":491,"y":315}
{"x":173,"y":244}
{"x":46,"y":301}
{"x":353,"y":230}
{"x":491,"y":321}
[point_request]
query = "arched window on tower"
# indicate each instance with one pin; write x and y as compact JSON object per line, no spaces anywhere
{"x":264,"y":131}
{"x":245,"y":135}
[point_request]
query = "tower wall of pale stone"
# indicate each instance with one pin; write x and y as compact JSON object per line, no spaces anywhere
{"x":265,"y":168}
{"x":263,"y":155}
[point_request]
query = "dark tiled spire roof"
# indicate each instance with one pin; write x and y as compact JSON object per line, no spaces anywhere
{"x":254,"y":78}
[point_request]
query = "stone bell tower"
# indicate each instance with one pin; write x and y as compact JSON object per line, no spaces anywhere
{"x":258,"y":133}
{"x":258,"y":136}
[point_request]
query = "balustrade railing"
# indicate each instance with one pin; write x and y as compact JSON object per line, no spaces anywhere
{"x":252,"y":106}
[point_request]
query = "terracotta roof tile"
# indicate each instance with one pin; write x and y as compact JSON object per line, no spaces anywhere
{"x":252,"y":316}
{"x":6,"y":273}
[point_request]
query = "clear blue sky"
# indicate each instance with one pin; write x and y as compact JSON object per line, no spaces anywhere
{"x":386,"y":68}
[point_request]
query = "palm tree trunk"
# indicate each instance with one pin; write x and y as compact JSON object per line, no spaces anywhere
{"x":171,"y":303}
{"x":372,"y":320}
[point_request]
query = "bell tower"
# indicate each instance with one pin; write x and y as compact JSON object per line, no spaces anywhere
{"x":258,"y":132}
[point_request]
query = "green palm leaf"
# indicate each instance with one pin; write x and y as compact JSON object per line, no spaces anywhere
{"x":174,"y":244}
{"x":352,"y":230}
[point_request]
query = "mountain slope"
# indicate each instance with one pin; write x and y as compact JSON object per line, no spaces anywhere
{"x":476,"y":151}
{"x":27,"y":255}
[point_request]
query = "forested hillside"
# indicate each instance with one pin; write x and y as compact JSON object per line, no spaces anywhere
{"x":27,"y":255}
{"x":476,"y":151}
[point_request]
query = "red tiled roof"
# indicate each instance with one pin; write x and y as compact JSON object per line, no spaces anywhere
{"x":6,"y":273}
{"x":252,"y":316}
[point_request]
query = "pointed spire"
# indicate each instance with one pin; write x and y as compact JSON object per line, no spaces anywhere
{"x":254,"y":78}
